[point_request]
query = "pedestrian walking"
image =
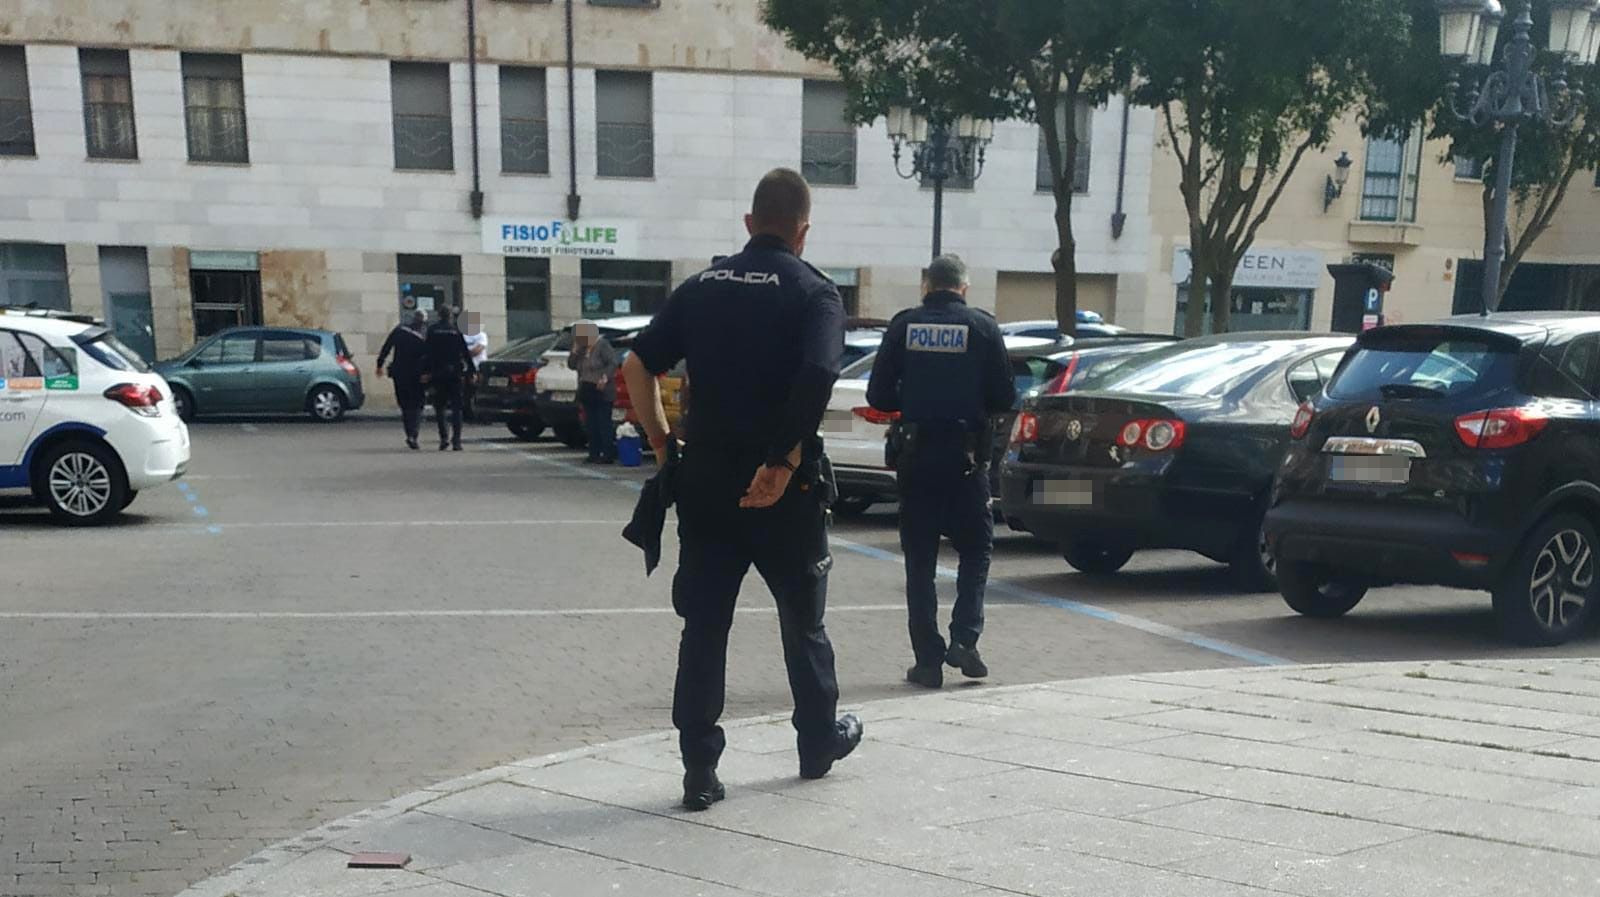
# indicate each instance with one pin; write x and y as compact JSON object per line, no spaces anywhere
{"x":449,"y":366}
{"x":943,"y":367}
{"x":478,"y":347}
{"x":408,"y":343}
{"x":762,"y":333}
{"x":596,"y":363}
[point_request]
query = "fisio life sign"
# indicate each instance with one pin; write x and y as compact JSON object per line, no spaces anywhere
{"x":543,"y":238}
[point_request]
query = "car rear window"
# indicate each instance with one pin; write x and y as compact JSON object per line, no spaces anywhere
{"x":1425,"y":364}
{"x":1210,"y":369}
{"x":103,"y":346}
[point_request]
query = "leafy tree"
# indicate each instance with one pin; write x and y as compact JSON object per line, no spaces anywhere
{"x":1245,"y":89}
{"x":994,"y":59}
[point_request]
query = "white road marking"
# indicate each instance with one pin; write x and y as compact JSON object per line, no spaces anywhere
{"x":250,"y":428}
{"x":407,"y":614}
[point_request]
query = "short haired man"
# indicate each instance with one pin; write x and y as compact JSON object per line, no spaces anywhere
{"x":762,"y":333}
{"x":943,"y":366}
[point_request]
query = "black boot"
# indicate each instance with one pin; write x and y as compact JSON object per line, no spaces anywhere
{"x":926,"y":675}
{"x":965,"y":658}
{"x":847,"y":734}
{"x":702,"y":788}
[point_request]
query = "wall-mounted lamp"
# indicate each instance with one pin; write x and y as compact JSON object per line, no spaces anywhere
{"x":1336,"y":181}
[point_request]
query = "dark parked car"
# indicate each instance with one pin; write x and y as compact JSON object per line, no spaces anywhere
{"x":509,"y":385}
{"x":266,"y":370}
{"x":1464,"y":453}
{"x":1053,"y":374}
{"x":1171,"y":448}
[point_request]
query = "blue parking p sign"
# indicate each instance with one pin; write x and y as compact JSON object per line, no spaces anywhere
{"x":1373,"y":298}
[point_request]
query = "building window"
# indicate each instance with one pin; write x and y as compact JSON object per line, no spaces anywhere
{"x":213,"y":98}
{"x":527,"y":297}
{"x":625,"y":141}
{"x":827,"y":139}
{"x":613,"y":287}
{"x":428,"y":283}
{"x":16,"y":111}
{"x":524,"y":121}
{"x":1394,"y":168}
{"x":1468,"y":168}
{"x":1083,"y":122}
{"x":1597,"y":179}
{"x":958,"y":180}
{"x":421,"y":98}
{"x":639,"y":3}
{"x":108,"y":104}
{"x":223,"y":299}
{"x":34,"y":274}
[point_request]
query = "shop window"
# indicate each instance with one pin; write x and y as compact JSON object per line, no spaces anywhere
{"x":827,"y":138}
{"x":213,"y":99}
{"x":612,"y":287}
{"x":421,"y":103}
{"x":223,"y":299}
{"x":1256,"y":309}
{"x":624,"y":135}
{"x":1393,"y":171}
{"x":34,"y":274}
{"x":427,"y":283}
{"x":16,"y":109}
{"x":524,"y":121}
{"x":1084,"y":121}
{"x":108,"y":127}
{"x":527,"y":298}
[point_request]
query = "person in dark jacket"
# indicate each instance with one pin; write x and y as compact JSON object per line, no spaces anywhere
{"x":449,"y":364}
{"x":408,"y":343}
{"x":943,"y":366}
{"x":762,"y":333}
{"x":596,"y":363}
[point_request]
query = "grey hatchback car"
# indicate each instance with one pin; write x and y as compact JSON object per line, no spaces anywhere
{"x":266,"y":370}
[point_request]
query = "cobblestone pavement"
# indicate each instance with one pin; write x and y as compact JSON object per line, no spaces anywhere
{"x":352,"y":622}
{"x":1420,"y":779}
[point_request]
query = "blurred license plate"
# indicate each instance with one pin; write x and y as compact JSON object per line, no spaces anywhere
{"x":498,"y":381}
{"x":1068,"y":493}
{"x":1370,"y":469}
{"x":563,"y":396}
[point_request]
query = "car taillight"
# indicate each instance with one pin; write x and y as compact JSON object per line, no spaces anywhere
{"x":1062,"y":381}
{"x":1025,"y":431}
{"x":1500,"y":427}
{"x":1155,"y":435}
{"x":348,"y":366}
{"x":1302,"y":421}
{"x":874,"y":416}
{"x":529,"y":377}
{"x":136,"y":397}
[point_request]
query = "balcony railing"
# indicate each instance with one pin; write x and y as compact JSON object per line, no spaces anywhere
{"x":828,"y":157}
{"x":423,"y":142}
{"x":625,"y":151}
{"x":525,"y":145}
{"x":217,"y":134}
{"x":16,"y":128}
{"x":110,"y":131}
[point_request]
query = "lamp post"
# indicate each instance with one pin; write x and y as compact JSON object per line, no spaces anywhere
{"x":939,"y":150}
{"x":1514,"y":94}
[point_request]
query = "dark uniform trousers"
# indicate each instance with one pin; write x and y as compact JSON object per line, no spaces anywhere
{"x":718,"y":543}
{"x":939,"y":497}
{"x":410,"y":395}
{"x":447,"y":395}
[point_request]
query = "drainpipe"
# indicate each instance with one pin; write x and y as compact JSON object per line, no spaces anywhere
{"x":573,"y":199}
{"x":476,"y":197}
{"x":1119,"y":219}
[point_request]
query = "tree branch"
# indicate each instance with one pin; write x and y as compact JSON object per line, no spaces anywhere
{"x":1277,"y":193}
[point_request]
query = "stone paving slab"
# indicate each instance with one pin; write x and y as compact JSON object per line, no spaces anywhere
{"x":1417,"y":779}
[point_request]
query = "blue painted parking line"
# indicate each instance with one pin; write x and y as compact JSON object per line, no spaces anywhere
{"x":200,"y":511}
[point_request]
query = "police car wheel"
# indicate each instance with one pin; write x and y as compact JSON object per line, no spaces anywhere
{"x":1094,"y":558}
{"x":82,"y":483}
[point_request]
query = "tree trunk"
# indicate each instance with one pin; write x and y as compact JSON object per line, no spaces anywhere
{"x":1194,"y":314}
{"x":1066,"y":267}
{"x":1221,"y":301}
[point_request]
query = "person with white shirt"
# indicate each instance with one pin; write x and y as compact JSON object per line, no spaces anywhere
{"x":478,"y":346}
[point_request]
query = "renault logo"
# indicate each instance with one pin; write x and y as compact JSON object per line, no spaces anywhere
{"x":1074,"y":429}
{"x":1374,"y":417}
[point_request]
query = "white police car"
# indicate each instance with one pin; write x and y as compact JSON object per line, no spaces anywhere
{"x":84,"y":424}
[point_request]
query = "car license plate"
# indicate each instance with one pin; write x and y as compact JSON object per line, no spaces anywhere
{"x":1064,"y":493}
{"x":1379,"y":469}
{"x":498,"y":381}
{"x":563,"y":396}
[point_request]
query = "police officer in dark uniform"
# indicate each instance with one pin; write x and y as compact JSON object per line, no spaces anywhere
{"x":408,"y":342}
{"x":762,"y":333}
{"x":449,"y":364}
{"x":943,"y":366}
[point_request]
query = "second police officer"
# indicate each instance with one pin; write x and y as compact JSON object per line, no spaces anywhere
{"x":762,"y":333}
{"x":943,"y":367}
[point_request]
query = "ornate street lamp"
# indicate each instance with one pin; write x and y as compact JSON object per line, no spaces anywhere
{"x":939,"y":151}
{"x":1514,"y":94}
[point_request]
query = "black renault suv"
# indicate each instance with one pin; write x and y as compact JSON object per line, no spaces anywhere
{"x":1463,"y":453}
